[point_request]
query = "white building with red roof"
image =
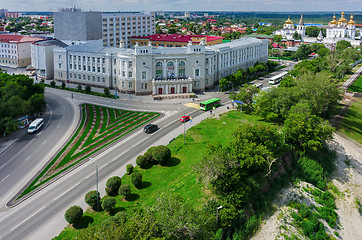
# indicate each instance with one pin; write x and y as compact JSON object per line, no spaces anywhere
{"x":15,"y":50}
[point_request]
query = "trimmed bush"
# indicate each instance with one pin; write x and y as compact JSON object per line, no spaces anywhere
{"x":161,"y":155}
{"x":79,"y":88}
{"x":73,"y":214}
{"x":129,"y":169}
{"x":148,"y":155}
{"x":113,"y":184}
{"x":52,"y":84}
{"x":91,"y":198}
{"x":136,"y":178}
{"x":63,"y":84}
{"x":124,"y":190}
{"x":106,"y":91}
{"x":108,"y":203}
{"x":141,"y":161}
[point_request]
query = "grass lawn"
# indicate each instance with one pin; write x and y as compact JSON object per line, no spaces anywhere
{"x":179,"y":176}
{"x":352,"y":122}
{"x":357,"y":85}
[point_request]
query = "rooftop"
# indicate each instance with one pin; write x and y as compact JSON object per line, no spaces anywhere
{"x":17,"y":38}
{"x":50,"y":42}
{"x":176,"y":37}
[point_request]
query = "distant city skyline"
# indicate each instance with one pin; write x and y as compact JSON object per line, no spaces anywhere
{"x":187,"y":5}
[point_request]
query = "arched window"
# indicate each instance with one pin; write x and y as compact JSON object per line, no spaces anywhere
{"x":158,"y":64}
{"x":170,"y":64}
{"x":181,"y":63}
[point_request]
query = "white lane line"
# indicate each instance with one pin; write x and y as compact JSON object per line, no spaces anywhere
{"x":32,"y":215}
{"x":5,"y":178}
{"x":58,"y":126}
{"x":63,"y":116}
{"x":89,"y":175}
{"x":70,"y":189}
{"x":44,"y":142}
{"x":27,"y":159}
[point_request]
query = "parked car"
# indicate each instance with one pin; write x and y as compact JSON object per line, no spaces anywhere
{"x":185,"y":118}
{"x":150,"y":128}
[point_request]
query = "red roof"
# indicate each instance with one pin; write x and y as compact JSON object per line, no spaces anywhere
{"x":17,"y":38}
{"x":176,"y":37}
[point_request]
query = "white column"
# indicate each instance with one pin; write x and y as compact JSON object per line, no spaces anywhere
{"x":190,"y":88}
{"x":178,"y":88}
{"x":176,"y":68}
{"x":154,"y":88}
{"x":166,"y":86}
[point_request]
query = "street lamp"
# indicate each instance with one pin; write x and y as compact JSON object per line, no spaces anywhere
{"x":217,"y":214}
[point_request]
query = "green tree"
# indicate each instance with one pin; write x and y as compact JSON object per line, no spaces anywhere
{"x":106,"y":91}
{"x":161,"y":155}
{"x":277,"y":38}
{"x":304,"y":130}
{"x":246,"y":95}
{"x":129,"y":169}
{"x":343,"y":44}
{"x":52,"y":84}
{"x":108,"y":203}
{"x":91,"y":199}
{"x":73,"y":214}
{"x":113,"y":185}
{"x":142,"y":161}
{"x":63,"y":85}
{"x":79,"y":88}
{"x":37,"y":103}
{"x":88,"y":89}
{"x":124,"y":190}
{"x":136,"y":179}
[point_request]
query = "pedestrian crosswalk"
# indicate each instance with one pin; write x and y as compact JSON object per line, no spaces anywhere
{"x":192,"y":105}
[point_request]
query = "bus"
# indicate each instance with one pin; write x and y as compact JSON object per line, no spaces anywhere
{"x":277,"y":78}
{"x":209,"y":104}
{"x":35,"y":125}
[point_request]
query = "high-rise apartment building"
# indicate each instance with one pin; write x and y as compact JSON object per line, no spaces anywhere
{"x":119,"y":27}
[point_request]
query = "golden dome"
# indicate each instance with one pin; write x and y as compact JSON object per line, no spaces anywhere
{"x":342,"y":19}
{"x":288,"y":21}
{"x":334,"y":20}
{"x":351,"y":22}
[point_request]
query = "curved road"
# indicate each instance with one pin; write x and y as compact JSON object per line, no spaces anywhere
{"x":47,"y":207}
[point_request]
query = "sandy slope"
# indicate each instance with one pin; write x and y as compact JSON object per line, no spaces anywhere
{"x":348,"y":179}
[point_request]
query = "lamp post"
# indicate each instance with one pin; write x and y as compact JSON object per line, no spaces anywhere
{"x":217,"y":214}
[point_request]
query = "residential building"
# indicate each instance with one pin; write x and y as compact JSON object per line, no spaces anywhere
{"x":119,"y":27}
{"x":77,"y":27}
{"x":156,"y":70}
{"x":15,"y":50}
{"x":42,"y":59}
{"x":174,"y":40}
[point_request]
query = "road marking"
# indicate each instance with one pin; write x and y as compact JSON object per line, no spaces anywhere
{"x":44,"y":142}
{"x":89,"y":175}
{"x":192,"y":105}
{"x":27,"y":159}
{"x":32,"y":215}
{"x":5,"y":178}
{"x":58,"y":126}
{"x":70,"y":189}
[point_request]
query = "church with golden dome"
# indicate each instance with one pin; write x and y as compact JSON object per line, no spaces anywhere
{"x":341,"y":30}
{"x":288,"y":29}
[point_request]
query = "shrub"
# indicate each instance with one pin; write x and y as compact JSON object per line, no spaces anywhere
{"x":73,"y":214}
{"x":136,"y":179}
{"x":141,"y":161}
{"x":124,"y":190}
{"x":52,"y":84}
{"x":108,"y":203}
{"x":63,"y":84}
{"x":113,"y":184}
{"x":161,"y":155}
{"x":311,"y":171}
{"x":129,"y":169}
{"x":79,"y":88}
{"x":106,"y":91}
{"x":91,"y":198}
{"x":148,"y":155}
{"x":87,"y":89}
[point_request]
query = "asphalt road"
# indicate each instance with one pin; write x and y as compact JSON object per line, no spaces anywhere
{"x":20,"y":162}
{"x":46,"y":208}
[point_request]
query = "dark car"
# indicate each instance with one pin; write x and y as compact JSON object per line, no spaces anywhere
{"x":150,"y":128}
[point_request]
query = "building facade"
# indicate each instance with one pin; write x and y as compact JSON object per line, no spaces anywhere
{"x":118,"y":28}
{"x":156,"y":70}
{"x":77,"y":27}
{"x":288,"y":29}
{"x":174,"y":40}
{"x":42,"y":57}
{"x":15,"y":50}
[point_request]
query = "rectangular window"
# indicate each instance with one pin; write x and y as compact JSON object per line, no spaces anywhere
{"x":158,"y":73}
{"x":143,"y":75}
{"x":88,"y":78}
{"x":129,"y":64}
{"x":70,"y":75}
{"x":129,"y":74}
{"x":122,"y":84}
{"x":114,"y":61}
{"x":103,"y":80}
{"x":197,"y":72}
{"x":123,"y":73}
{"x":89,"y":68}
{"x":130,"y":85}
{"x":60,"y":65}
{"x":70,"y":66}
{"x":94,"y":78}
{"x":182,"y":73}
{"x":114,"y":71}
{"x":145,"y":85}
{"x":98,"y":79}
{"x":104,"y":70}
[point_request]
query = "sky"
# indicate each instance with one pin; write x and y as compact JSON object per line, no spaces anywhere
{"x":186,"y":5}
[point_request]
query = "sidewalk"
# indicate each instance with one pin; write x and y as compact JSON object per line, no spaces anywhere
{"x":351,"y":80}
